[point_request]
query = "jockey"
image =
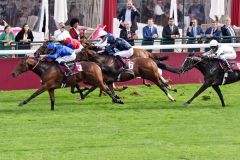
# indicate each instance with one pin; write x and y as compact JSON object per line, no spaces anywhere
{"x":115,"y":46}
{"x":71,"y":43}
{"x":222,"y":52}
{"x":61,"y":54}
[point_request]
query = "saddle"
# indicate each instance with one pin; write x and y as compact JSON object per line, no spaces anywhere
{"x":75,"y":67}
{"x":235,"y":66}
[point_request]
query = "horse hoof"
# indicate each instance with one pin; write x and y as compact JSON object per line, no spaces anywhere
{"x":185,"y":104}
{"x":175,"y":90}
{"x":117,"y":97}
{"x":22,"y":103}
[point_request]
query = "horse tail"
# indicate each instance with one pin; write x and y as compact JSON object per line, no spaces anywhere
{"x":166,"y":67}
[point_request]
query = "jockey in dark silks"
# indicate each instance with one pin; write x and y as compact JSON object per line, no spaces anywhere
{"x":115,"y":46}
{"x":61,"y":54}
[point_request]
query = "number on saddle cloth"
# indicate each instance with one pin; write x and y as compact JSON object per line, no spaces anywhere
{"x":75,"y":67}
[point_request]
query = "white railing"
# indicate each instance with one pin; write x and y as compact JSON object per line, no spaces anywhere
{"x":152,"y":47}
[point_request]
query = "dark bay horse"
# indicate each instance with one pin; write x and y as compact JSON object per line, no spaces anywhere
{"x":51,"y":76}
{"x":212,"y":72}
{"x":145,"y":68}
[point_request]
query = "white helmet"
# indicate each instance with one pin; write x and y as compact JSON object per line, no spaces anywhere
{"x":213,"y":43}
{"x":102,"y":33}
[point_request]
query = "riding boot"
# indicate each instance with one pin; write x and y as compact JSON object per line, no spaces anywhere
{"x":68,"y":72}
{"x":125,"y":66}
{"x":226,"y":63}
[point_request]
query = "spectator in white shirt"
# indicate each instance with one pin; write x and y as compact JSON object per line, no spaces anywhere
{"x":61,"y":34}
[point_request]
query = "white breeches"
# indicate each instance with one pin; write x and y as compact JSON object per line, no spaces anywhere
{"x":69,"y":58}
{"x":228,"y":56}
{"x":126,"y":53}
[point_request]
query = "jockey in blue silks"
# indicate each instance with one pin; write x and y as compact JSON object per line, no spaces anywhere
{"x":115,"y":46}
{"x":61,"y":54}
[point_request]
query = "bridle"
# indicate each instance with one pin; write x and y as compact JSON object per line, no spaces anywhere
{"x":189,"y":67}
{"x":36,"y":65}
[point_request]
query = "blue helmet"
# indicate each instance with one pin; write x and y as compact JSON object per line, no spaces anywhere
{"x":51,"y":46}
{"x":111,"y":39}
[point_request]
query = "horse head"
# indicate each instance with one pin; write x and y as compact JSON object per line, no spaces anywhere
{"x":28,"y":63}
{"x":42,"y":50}
{"x":85,"y":54}
{"x":190,"y":62}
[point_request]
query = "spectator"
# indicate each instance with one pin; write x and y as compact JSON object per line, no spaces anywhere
{"x":75,"y":13}
{"x":129,"y":14}
{"x":170,"y":33}
{"x":160,"y":17}
{"x":196,"y":11}
{"x":6,"y":39}
{"x":147,"y":11}
{"x":24,"y":37}
{"x":128,"y":33}
{"x":149,"y":33}
{"x":61,"y":34}
{"x":212,"y":33}
{"x":77,"y":31}
{"x":11,"y":13}
{"x":180,"y":15}
{"x":227,"y":30}
{"x":195,"y":33}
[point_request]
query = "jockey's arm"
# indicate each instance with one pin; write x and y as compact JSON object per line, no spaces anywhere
{"x":110,"y":49}
{"x":101,"y":44}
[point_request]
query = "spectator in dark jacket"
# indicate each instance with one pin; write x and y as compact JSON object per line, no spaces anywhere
{"x":128,"y":33}
{"x":227,"y":30}
{"x":170,"y":33}
{"x":212,"y":33}
{"x":129,"y":14}
{"x":24,"y":38}
{"x":195,"y":33}
{"x":149,"y":33}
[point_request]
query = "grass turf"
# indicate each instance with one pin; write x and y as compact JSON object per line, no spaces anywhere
{"x":147,"y":126}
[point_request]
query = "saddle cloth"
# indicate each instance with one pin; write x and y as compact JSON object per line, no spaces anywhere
{"x":75,"y":67}
{"x":128,"y":61}
{"x":235,"y":66}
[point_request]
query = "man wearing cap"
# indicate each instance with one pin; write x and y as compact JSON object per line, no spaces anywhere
{"x":222,"y":52}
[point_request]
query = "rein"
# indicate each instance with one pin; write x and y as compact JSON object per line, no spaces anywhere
{"x":194,"y":64}
{"x":36,"y":65}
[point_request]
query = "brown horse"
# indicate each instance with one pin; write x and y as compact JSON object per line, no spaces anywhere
{"x":137,"y":52}
{"x":52,"y":76}
{"x":145,"y":68}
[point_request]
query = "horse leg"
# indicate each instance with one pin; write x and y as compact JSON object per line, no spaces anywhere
{"x":158,"y":83}
{"x":145,"y":83}
{"x":217,"y":89}
{"x":35,"y":94}
{"x":200,"y":90}
{"x":168,"y":86}
{"x":119,"y":89}
{"x":52,"y":98}
{"x":88,"y":92}
{"x":104,"y":88}
{"x":111,"y":87}
{"x":80,"y":91}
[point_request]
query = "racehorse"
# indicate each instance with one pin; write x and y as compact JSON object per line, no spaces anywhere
{"x":213,"y":73}
{"x":145,"y":68}
{"x":52,"y":76}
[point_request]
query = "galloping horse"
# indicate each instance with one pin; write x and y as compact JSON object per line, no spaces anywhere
{"x":137,"y":52}
{"x":145,"y":68}
{"x":212,"y":72}
{"x":52,"y":76}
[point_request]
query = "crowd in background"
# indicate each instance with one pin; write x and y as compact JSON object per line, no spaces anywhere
{"x":153,"y":13}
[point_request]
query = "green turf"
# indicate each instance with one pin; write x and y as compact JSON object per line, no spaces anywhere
{"x":146,"y":127}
